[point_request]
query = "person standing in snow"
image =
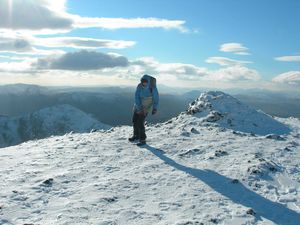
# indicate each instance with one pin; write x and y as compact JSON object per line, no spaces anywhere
{"x":146,"y":98}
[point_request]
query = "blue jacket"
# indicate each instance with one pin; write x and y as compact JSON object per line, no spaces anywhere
{"x":145,"y":92}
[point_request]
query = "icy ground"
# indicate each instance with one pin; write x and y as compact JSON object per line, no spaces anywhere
{"x":191,"y":172}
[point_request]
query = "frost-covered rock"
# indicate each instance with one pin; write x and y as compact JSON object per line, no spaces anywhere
{"x":275,"y":137}
{"x":228,"y":112}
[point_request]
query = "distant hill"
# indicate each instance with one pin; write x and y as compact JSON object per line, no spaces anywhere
{"x":113,"y":105}
{"x":56,"y":120}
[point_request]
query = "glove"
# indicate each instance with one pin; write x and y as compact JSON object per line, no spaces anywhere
{"x":154,"y":111}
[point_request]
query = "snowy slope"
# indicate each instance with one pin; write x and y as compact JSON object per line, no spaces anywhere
{"x":55,"y":120}
{"x":216,"y":106}
{"x":191,"y":172}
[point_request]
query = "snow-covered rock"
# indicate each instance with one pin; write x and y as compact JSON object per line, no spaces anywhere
{"x":57,"y":120}
{"x":228,"y":112}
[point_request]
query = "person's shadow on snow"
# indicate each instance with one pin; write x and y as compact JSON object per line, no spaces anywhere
{"x":236,"y":192}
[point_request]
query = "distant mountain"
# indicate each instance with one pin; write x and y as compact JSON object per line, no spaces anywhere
{"x":56,"y":120}
{"x":113,"y":105}
{"x":23,"y":89}
{"x":281,"y":105}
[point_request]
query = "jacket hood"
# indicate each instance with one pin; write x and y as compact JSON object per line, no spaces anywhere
{"x":146,"y":77}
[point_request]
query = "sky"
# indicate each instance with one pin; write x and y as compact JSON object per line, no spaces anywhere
{"x":219,"y":44}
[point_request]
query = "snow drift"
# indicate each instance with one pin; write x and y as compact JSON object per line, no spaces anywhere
{"x":228,"y":112}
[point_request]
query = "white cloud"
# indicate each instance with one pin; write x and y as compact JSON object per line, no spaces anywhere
{"x":11,"y":42}
{"x":21,"y":47}
{"x":289,"y":58}
{"x":15,"y":45}
{"x":119,"y":23}
{"x":189,"y":72}
{"x":236,"y":48}
{"x":242,"y":53}
{"x":178,"y":70}
{"x":84,"y":43}
{"x":17,"y":67}
{"x":291,"y":78}
{"x":222,"y":61}
{"x":55,"y":5}
{"x":115,"y":67}
{"x":235,"y":73}
{"x":81,"y":61}
{"x":50,"y":16}
{"x":38,"y":15}
{"x":29,"y":45}
{"x":15,"y":58}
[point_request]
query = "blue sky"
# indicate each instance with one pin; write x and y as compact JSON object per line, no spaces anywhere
{"x":268,"y":28}
{"x":266,"y":34}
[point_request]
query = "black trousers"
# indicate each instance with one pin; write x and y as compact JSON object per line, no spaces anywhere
{"x":138,"y":121}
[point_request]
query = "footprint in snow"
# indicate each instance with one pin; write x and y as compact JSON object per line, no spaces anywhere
{"x":195,"y":131}
{"x":48,"y":182}
{"x":110,"y":199}
{"x":219,"y":153}
{"x":165,"y":206}
{"x":190,"y":223}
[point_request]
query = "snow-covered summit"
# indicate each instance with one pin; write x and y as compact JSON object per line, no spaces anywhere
{"x":64,"y":117}
{"x":56,"y":120}
{"x":228,"y":112}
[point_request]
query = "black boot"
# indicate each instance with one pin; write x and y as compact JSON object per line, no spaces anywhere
{"x":133,"y":138}
{"x":141,"y":143}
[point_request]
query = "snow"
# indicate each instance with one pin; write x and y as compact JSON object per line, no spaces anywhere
{"x":191,"y":172}
{"x":56,"y":120}
{"x":216,"y":106}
